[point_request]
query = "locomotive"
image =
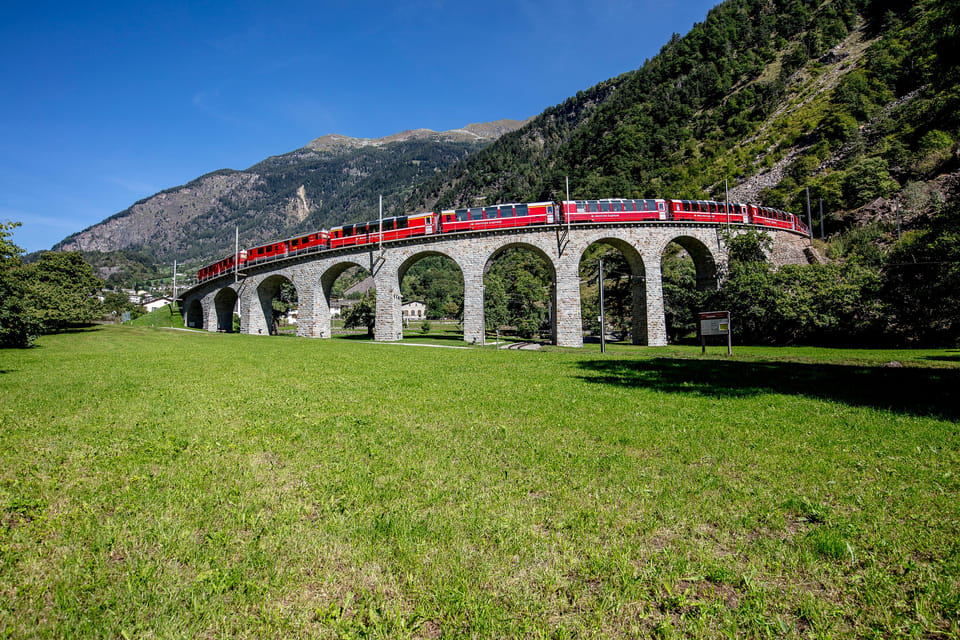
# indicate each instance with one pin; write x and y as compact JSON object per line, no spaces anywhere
{"x":509,"y":215}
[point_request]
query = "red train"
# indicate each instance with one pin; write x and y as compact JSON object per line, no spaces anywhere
{"x":501,"y":216}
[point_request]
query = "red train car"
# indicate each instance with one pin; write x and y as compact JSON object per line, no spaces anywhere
{"x":266,"y":252}
{"x":220,"y":267}
{"x":316,"y":241}
{"x":708,"y":211}
{"x":770,"y":217}
{"x":498,"y":216}
{"x":613,"y":210}
{"x":395,"y":228}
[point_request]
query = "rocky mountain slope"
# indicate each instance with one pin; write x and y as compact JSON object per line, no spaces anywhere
{"x":853,"y":100}
{"x":331,"y":180}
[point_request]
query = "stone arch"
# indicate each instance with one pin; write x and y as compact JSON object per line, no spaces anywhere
{"x":225,"y":301}
{"x":194,"y":318}
{"x":323,"y":317}
{"x":704,"y":260}
{"x":638,"y":289}
{"x":427,"y":253}
{"x":547,"y":260}
{"x":267,"y":290}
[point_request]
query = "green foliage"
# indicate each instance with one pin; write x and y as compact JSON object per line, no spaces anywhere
{"x":681,"y":298}
{"x":922,"y":282}
{"x":61,"y":290}
{"x":425,"y":327}
{"x":438,"y":282}
{"x":119,"y":303}
{"x":363,"y":313}
{"x":866,"y":180}
{"x":18,"y":327}
{"x":57,"y":292}
{"x":517,"y":292}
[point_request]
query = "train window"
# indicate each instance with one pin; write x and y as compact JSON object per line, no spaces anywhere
{"x":522,"y":210}
{"x":489,"y":212}
{"x":402,"y":222}
{"x":506,"y":212}
{"x":592,"y":206}
{"x":260,"y":251}
{"x":476,"y":213}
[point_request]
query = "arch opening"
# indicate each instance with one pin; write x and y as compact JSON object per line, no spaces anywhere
{"x":352,"y":299}
{"x":689,"y":273}
{"x":226,"y":304}
{"x":432,"y":290}
{"x":195,"y":315}
{"x":624,"y":287}
{"x":279,"y":302}
{"x":520,"y":293}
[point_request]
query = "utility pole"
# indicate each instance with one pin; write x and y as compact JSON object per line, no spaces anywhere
{"x":381,"y":224}
{"x":896,"y":204}
{"x":236,"y":255}
{"x":174,"y":280}
{"x":726,"y":202}
{"x":809,"y":218}
{"x":603,"y":329}
{"x":821,"y":219}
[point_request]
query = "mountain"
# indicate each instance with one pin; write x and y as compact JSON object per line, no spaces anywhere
{"x":854,"y":99}
{"x":331,"y":180}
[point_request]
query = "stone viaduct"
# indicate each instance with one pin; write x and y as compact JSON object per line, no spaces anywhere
{"x":211,"y":304}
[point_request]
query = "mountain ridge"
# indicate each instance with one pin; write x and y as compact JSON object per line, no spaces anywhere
{"x":328,"y":181}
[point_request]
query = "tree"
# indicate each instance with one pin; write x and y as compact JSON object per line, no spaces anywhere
{"x":61,"y":290}
{"x":283,"y":304}
{"x":922,"y":282}
{"x":18,"y":328}
{"x":363,"y":313}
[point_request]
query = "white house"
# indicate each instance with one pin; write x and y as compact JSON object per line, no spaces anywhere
{"x":156,"y":303}
{"x":414,"y":310}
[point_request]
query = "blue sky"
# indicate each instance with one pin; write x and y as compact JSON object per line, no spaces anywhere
{"x":105,"y":103}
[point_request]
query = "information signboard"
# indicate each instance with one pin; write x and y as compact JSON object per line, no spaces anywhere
{"x":715,"y":323}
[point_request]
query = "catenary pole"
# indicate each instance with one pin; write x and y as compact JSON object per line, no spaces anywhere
{"x":236,"y":254}
{"x":603,"y":329}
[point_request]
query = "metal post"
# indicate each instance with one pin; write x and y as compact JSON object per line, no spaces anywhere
{"x":809,"y":218}
{"x":236,"y":255}
{"x":896,"y":203}
{"x":568,"y":200}
{"x":726,"y":202}
{"x":174,"y":280}
{"x":821,"y":219}
{"x":381,"y":224}
{"x":603,"y":330}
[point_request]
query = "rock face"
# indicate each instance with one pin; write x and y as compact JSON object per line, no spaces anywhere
{"x":333,"y":179}
{"x":160,"y":220}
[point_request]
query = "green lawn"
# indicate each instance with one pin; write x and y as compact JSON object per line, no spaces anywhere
{"x":165,"y":484}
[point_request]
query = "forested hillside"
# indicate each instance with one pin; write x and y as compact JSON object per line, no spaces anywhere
{"x":854,"y":102}
{"x":851,"y":98}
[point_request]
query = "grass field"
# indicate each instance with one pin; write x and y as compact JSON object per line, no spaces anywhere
{"x":177,"y":484}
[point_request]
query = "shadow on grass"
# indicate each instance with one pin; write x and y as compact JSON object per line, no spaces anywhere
{"x":441,"y":337}
{"x":927,"y":392}
{"x":950,"y":356}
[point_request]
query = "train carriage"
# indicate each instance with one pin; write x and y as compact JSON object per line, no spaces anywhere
{"x":501,"y":216}
{"x":394,"y":228}
{"x":708,"y":211}
{"x":613,"y":210}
